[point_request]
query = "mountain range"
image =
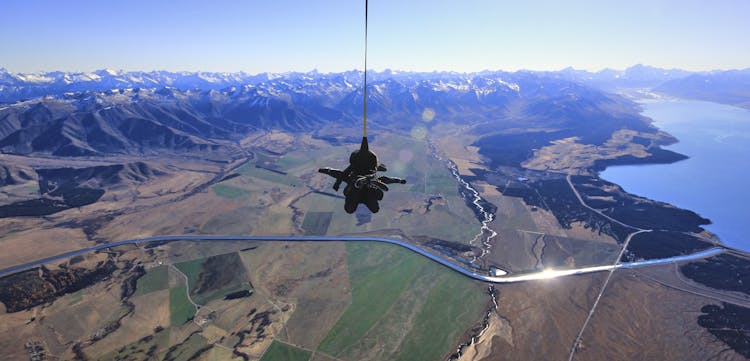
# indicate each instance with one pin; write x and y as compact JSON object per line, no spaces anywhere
{"x":116,"y":112}
{"x":24,"y":86}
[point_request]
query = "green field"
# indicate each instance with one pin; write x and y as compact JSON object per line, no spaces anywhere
{"x":453,"y":305}
{"x":378,"y":274}
{"x":440,"y":181}
{"x":203,"y":299}
{"x":282,"y":352}
{"x":227,"y":191}
{"x":391,"y":285}
{"x":251,"y":170}
{"x":155,"y":279}
{"x":261,"y":157}
{"x":192,"y":269}
{"x":288,"y":162}
{"x":322,"y":203}
{"x":180,"y":308}
{"x":237,"y":221}
{"x":312,"y":159}
{"x":232,"y":281}
{"x":432,"y":178}
{"x":316,"y":223}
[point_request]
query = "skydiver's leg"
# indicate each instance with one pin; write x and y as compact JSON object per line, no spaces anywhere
{"x":391,"y":180}
{"x":371,"y":201}
{"x":379,"y":194}
{"x":351,"y":202}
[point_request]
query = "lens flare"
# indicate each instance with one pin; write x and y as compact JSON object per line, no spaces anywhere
{"x":405,"y":156}
{"x":549,"y":273}
{"x":398,"y":167}
{"x":428,"y":115}
{"x":419,"y":132}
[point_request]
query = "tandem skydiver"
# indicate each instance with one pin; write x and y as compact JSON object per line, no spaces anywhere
{"x":362,"y":183}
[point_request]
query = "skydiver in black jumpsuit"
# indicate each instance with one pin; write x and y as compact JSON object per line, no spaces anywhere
{"x":362,"y":183}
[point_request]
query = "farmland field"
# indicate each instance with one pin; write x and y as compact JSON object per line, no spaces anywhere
{"x":180,"y":308}
{"x":316,"y":223}
{"x":227,"y":191}
{"x":155,"y":279}
{"x":280,"y":351}
{"x":389,"y":284}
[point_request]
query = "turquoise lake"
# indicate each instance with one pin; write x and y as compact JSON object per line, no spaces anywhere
{"x":713,"y":182}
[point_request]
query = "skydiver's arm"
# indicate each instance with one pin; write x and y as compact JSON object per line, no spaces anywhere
{"x":391,"y":180}
{"x":335,"y":173}
{"x":344,"y":174}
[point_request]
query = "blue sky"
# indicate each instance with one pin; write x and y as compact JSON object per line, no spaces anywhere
{"x":458,"y":35}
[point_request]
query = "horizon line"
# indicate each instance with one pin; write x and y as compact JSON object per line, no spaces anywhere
{"x":374,"y":70}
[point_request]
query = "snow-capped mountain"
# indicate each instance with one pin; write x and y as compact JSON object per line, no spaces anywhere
{"x":637,"y":76}
{"x":111,"y":112}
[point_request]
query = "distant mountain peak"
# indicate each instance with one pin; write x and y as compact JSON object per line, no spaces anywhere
{"x":106,"y":71}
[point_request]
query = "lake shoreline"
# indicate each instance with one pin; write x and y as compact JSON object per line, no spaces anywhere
{"x":703,"y":181}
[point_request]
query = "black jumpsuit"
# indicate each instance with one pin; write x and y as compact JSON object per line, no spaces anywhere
{"x":362,"y":183}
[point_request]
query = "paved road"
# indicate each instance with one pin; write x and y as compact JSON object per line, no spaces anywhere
{"x":447,"y":263}
{"x":580,"y":199}
{"x":604,"y":285}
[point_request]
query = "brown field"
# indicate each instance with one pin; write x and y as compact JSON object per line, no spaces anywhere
{"x":524,"y":233}
{"x":311,"y":320}
{"x":151,"y":310}
{"x":33,"y":244}
{"x":658,"y":323}
{"x":568,"y":156}
{"x":455,"y":147}
{"x":61,"y":323}
{"x":539,"y":320}
{"x":129,"y":209}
